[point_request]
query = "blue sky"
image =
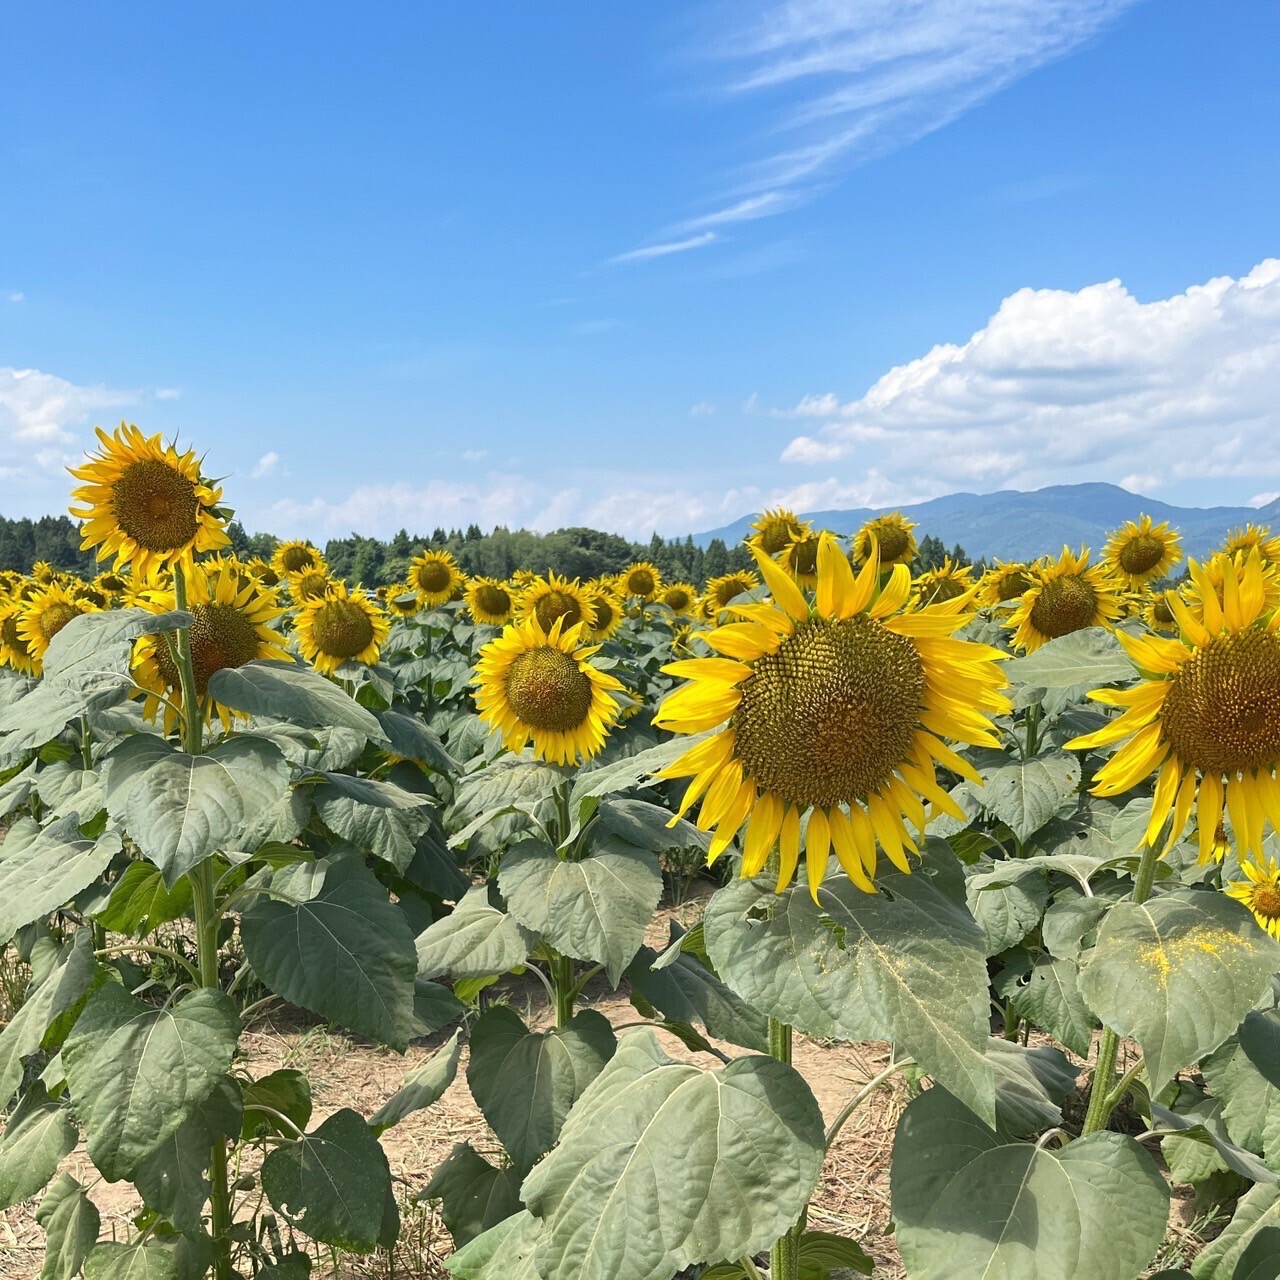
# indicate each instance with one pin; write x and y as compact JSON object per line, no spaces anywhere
{"x":642,"y":266}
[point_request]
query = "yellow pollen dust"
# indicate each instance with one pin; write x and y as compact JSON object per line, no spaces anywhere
{"x":1165,"y":958}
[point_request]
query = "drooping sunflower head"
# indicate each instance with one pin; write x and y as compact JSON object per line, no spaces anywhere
{"x":1260,"y":892}
{"x":835,"y":709}
{"x":722,"y":591}
{"x":146,"y":504}
{"x":296,"y":556}
{"x":307,"y":584}
{"x":679,"y":597}
{"x":801,"y":560}
{"x":948,"y":582}
{"x":1141,"y":551}
{"x":340,"y":626}
{"x":1158,"y":615}
{"x":43,"y":572}
{"x":232,"y":625}
{"x":1212,"y":579}
{"x":1203,"y":715}
{"x":521,"y":578}
{"x":1253,"y":538}
{"x":640,"y":581}
{"x":490,"y":602}
{"x":893,"y":537}
{"x":540,"y":687}
{"x":112,"y":584}
{"x":775,"y":529}
{"x":604,"y":613}
{"x":1007,"y":581}
{"x":401,"y":600}
{"x":552,"y":598}
{"x":46,"y":611}
{"x":88,"y":594}
{"x":263,"y":570}
{"x":1065,"y":595}
{"x":434,"y":575}
{"x":15,"y":650}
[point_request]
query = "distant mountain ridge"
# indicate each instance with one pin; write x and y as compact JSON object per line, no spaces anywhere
{"x":1016,"y":525}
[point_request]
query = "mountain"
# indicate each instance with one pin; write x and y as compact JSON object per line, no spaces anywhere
{"x":1014,"y":525}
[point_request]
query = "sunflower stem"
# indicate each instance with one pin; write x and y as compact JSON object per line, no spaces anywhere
{"x":784,"y":1256}
{"x":208,"y":918}
{"x":1103,"y":1098}
{"x":562,"y":977}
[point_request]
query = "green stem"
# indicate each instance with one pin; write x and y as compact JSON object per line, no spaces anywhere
{"x":784,"y":1257}
{"x":895,"y":1065}
{"x":1102,"y":1097}
{"x":207,"y":919}
{"x":1033,"y":729}
{"x":86,"y":742}
{"x":562,"y":978}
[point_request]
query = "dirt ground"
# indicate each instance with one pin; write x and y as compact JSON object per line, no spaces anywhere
{"x":852,"y":1198}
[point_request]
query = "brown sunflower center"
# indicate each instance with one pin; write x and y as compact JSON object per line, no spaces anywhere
{"x":341,"y":629}
{"x":941,"y":589}
{"x":295,"y":559}
{"x":893,"y":542}
{"x":1161,"y":612}
{"x":1065,"y":604}
{"x":221,"y":636}
{"x":434,"y":577}
{"x":1012,"y":585}
{"x":156,"y":505}
{"x":775,"y":535}
{"x":547,"y":689}
{"x":1141,"y":553}
{"x":729,"y":590}
{"x":9,"y":636}
{"x":804,"y":558}
{"x":55,"y":616}
{"x":640,"y":582}
{"x":1265,"y":900}
{"x":676,"y":599}
{"x":558,"y":604}
{"x":830,"y":714}
{"x":604,"y":613}
{"x":308,"y":585}
{"x":1220,"y":711}
{"x":493,"y":599}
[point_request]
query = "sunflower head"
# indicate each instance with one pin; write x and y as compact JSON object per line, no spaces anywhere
{"x":893,"y":537}
{"x":340,"y":626}
{"x":1158,"y":615}
{"x":400,"y":599}
{"x":832,"y":709}
{"x":679,"y":597}
{"x":1253,"y":537}
{"x":1141,"y":551}
{"x":948,"y":582}
{"x":263,"y":571}
{"x":604,"y":611}
{"x":553,"y":598}
{"x":1260,"y":892}
{"x":308,"y":584}
{"x":801,"y":560}
{"x":1007,"y":581}
{"x":774,"y":530}
{"x":43,"y":572}
{"x":1211,"y":580}
{"x":15,"y":651}
{"x":145,"y":503}
{"x":541,"y":687}
{"x":45,"y":612}
{"x":641,"y":581}
{"x":724,"y":590}
{"x":434,"y":575}
{"x":296,"y":556}
{"x":1065,"y":595}
{"x":490,"y":602}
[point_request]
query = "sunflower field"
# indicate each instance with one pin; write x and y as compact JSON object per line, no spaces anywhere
{"x":1021,"y":825}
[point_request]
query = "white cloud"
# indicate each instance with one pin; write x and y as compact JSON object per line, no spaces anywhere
{"x":267,"y":465}
{"x":168,"y":393}
{"x":475,"y":455}
{"x":1089,"y":385}
{"x":17,"y":297}
{"x":664,"y":250}
{"x":703,"y":409}
{"x":1264,"y":499}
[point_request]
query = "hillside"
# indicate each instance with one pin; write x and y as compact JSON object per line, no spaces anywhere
{"x":1014,"y":525}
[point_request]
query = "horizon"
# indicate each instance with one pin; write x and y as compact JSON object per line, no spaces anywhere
{"x":831,"y":256}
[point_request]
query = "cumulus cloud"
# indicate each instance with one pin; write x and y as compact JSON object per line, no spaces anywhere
{"x":1064,"y":386}
{"x":267,"y":465}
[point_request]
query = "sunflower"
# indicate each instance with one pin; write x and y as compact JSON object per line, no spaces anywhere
{"x":1203,"y":716}
{"x":722,"y":591}
{"x":1211,"y":579}
{"x":774,"y":530}
{"x":554,"y":597}
{"x":1158,"y":615}
{"x":46,"y":612}
{"x":111,"y":584}
{"x":801,"y":560}
{"x":340,"y":626}
{"x":604,"y":613}
{"x":521,"y":578}
{"x":489,"y":601}
{"x":307,"y":584}
{"x":263,"y":571}
{"x":891,"y":534}
{"x":540,"y":686}
{"x":296,"y":556}
{"x":43,"y":572}
{"x":400,"y":599}
{"x":837,"y":710}
{"x":1007,"y":581}
{"x":231,"y":626}
{"x":679,"y":597}
{"x":949,"y":581}
{"x":640,"y":581}
{"x":434,"y":575}
{"x":1260,"y":892}
{"x":1253,"y":536}
{"x":147,"y":504}
{"x":1139,"y":551}
{"x":15,"y":651}
{"x":1065,"y":596}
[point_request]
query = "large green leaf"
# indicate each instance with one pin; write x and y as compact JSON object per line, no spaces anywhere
{"x":39,"y":1133}
{"x":474,"y":941}
{"x":136,"y":1071}
{"x":1249,"y":1103}
{"x":596,"y":909}
{"x":1065,"y":669}
{"x":61,"y":988}
{"x":423,"y":1087}
{"x":286,"y":1091}
{"x":971,"y":1205}
{"x":70,"y":1221}
{"x":141,"y":1261}
{"x":1007,"y":907}
{"x":1200,"y":1120}
{"x":140,"y":901}
{"x":906,"y":964}
{"x":1031,"y":1086}
{"x":503,"y":1252}
{"x":386,"y":822}
{"x":346,"y":953}
{"x":96,"y":647}
{"x":648,"y":826}
{"x":180,"y":808}
{"x":41,"y":870}
{"x":413,"y":740}
{"x":1178,"y":974}
{"x":1051,"y":999}
{"x":332,"y":1184}
{"x":290,"y":691}
{"x":1260,"y":1039}
{"x":661,"y":1165}
{"x":473,"y":1194}
{"x":1026,"y":794}
{"x":526,"y":1081}
{"x":1257,"y":1212}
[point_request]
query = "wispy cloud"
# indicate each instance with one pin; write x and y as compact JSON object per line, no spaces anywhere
{"x":267,"y":465}
{"x":645,"y":253}
{"x":17,"y":297}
